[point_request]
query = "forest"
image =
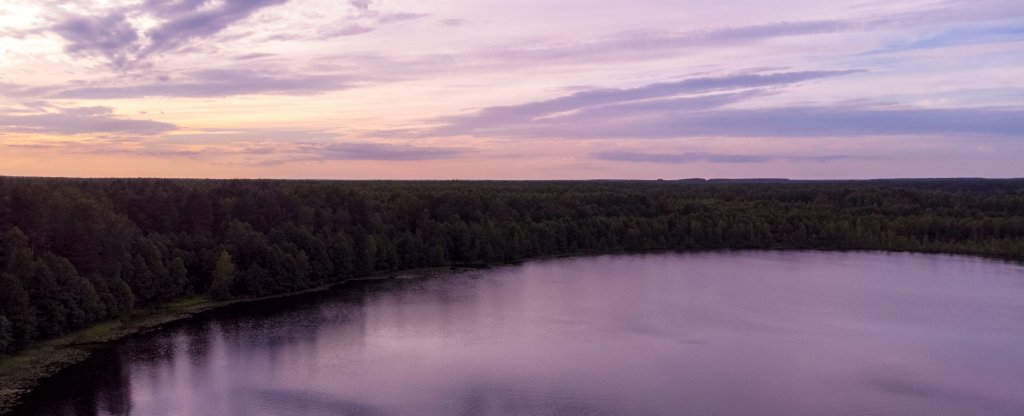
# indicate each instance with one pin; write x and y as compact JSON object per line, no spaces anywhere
{"x":78,"y":251}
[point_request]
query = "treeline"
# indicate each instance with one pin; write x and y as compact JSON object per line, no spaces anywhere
{"x":73,"y":252}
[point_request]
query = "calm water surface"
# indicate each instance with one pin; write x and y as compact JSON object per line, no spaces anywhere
{"x":740,"y":333}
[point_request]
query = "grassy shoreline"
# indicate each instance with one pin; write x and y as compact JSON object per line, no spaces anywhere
{"x":22,"y":372}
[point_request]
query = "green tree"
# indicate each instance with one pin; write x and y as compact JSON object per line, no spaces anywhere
{"x":223,"y":276}
{"x":14,"y":304}
{"x":6,"y":334}
{"x":76,"y":251}
{"x":178,"y":276}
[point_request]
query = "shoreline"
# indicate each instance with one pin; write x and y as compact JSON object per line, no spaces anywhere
{"x":21,"y":373}
{"x":24,"y":371}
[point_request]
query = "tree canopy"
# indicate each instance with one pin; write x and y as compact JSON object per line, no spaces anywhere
{"x":76,"y":251}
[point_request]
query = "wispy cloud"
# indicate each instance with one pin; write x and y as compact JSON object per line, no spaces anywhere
{"x":78,"y":120}
{"x":677,"y":119}
{"x":697,"y":157}
{"x":636,"y":45}
{"x":12,"y":90}
{"x":597,"y":109}
{"x":260,"y":153}
{"x":843,"y":120}
{"x":213,"y":83}
{"x":658,"y":111}
{"x":187,"y":20}
{"x":367,"y":18}
{"x":454,"y":22}
{"x":971,"y":35}
{"x":645,"y":44}
{"x":374,"y":151}
{"x":640,"y":41}
{"x":111,"y":34}
{"x":361,"y":4}
{"x":547,"y":111}
{"x":955,"y":11}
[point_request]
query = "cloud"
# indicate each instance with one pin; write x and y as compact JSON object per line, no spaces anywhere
{"x":955,"y":11}
{"x":79,"y":120}
{"x":973,"y":35}
{"x":605,"y":96}
{"x":11,"y":90}
{"x":110,"y":36}
{"x":918,"y":389}
{"x":640,"y":100}
{"x":214,"y":83}
{"x":386,"y":18}
{"x":695,"y":157}
{"x":842,"y":120}
{"x":267,"y":152}
{"x":673,"y":121}
{"x":661,"y":111}
{"x":374,"y":151}
{"x":366,"y":20}
{"x":189,"y":20}
{"x":360,"y":4}
{"x":633,"y":45}
{"x":639,"y":45}
{"x":251,"y":56}
{"x":454,"y":22}
{"x":654,"y":44}
{"x":351,"y":30}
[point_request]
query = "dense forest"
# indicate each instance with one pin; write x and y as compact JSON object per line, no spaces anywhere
{"x":76,"y":251}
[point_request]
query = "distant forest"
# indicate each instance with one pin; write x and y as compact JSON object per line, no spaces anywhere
{"x":74,"y":252}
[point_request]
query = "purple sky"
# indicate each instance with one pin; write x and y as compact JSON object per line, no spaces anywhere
{"x":512,"y":90}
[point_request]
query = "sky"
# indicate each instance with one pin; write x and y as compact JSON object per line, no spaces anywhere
{"x":525,"y":89}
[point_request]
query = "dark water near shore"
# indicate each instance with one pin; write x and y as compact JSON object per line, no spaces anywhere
{"x":740,"y":333}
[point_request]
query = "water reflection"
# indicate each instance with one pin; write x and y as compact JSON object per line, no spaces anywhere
{"x":795,"y":333}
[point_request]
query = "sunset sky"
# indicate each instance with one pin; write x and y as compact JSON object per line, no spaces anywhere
{"x":525,"y":89}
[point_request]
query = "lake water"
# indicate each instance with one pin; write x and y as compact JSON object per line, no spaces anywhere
{"x":728,"y":333}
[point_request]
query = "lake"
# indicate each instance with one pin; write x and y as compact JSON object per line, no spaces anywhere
{"x":720,"y":333}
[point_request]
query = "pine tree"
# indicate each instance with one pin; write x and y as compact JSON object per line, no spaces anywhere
{"x":6,"y":334}
{"x":223,"y":275}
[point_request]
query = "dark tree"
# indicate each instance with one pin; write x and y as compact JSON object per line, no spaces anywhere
{"x":223,"y":276}
{"x":74,"y":252}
